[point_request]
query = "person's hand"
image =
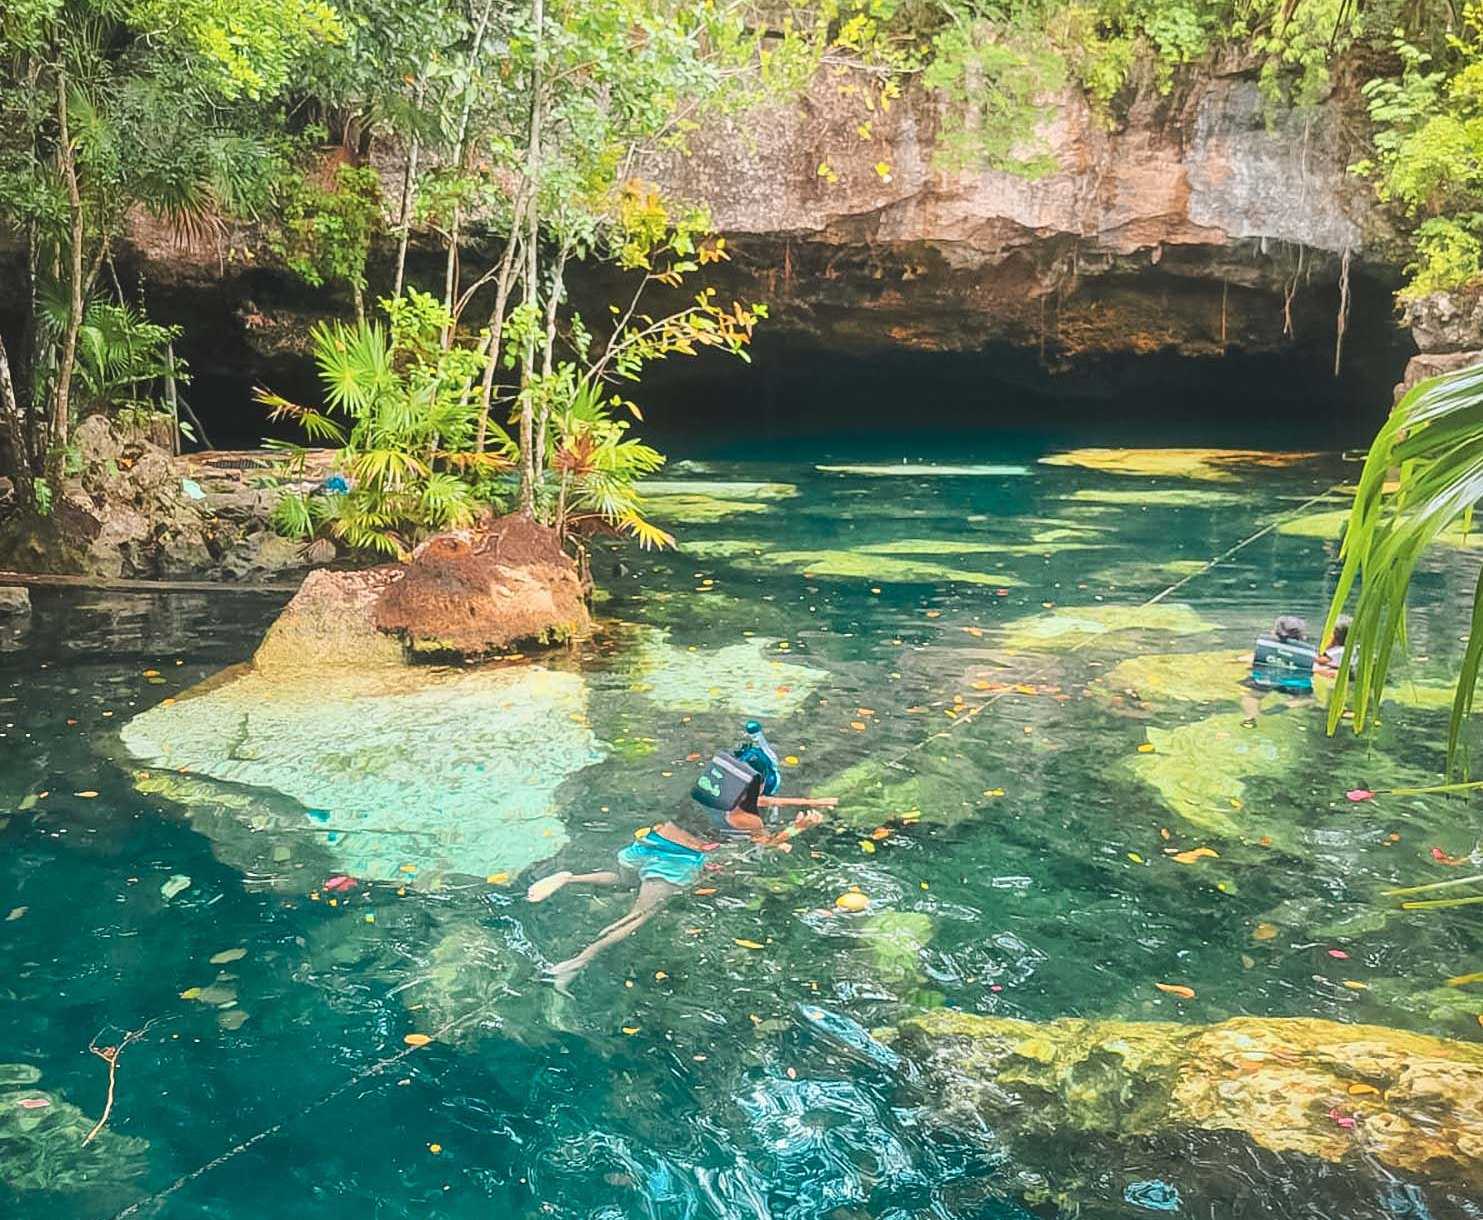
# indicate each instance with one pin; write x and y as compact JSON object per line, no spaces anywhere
{"x":808,"y":818}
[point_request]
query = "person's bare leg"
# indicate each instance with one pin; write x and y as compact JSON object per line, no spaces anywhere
{"x":541,"y":890}
{"x":652,"y":895}
{"x":1250,"y":706}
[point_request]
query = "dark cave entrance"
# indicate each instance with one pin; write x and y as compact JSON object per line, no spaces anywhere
{"x":801,"y":391}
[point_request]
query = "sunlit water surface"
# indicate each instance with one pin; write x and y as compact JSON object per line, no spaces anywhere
{"x":681,"y":1079}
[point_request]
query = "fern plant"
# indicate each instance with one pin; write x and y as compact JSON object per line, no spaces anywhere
{"x":401,"y":411}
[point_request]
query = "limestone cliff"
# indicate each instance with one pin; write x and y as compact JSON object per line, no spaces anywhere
{"x":1200,"y":220}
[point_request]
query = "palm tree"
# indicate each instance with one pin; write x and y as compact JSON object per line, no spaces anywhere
{"x":1432,"y":446}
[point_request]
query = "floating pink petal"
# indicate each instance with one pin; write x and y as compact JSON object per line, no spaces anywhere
{"x":339,"y":883}
{"x":1340,"y":954}
{"x":1344,"y":1120}
{"x":1360,"y":794}
{"x":34,"y":1103}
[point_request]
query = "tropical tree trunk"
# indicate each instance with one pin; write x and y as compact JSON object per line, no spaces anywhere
{"x":62,"y":391}
{"x":532,"y":250}
{"x":409,"y":183}
{"x":496,"y":330}
{"x":450,"y":273}
{"x":15,"y":429}
{"x":548,"y":355}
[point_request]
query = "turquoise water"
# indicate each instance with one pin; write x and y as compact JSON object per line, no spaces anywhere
{"x":993,"y":792}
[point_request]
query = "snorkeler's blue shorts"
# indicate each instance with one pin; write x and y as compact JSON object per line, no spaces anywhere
{"x":655,"y":858}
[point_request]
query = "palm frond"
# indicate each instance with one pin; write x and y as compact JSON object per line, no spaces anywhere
{"x":1434,"y":436}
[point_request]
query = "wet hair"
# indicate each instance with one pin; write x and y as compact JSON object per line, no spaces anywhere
{"x":1289,"y":627}
{"x":1341,"y":630}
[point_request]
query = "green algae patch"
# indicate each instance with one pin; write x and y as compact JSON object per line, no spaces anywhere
{"x":930,"y":546}
{"x":894,"y":941}
{"x":747,"y":678}
{"x":1200,"y":769}
{"x":1421,"y":695}
{"x":41,"y":1142}
{"x":698,"y":509}
{"x":863,"y":565}
{"x":1276,"y":1082}
{"x":1182,"y":677}
{"x":1139,"y":574}
{"x":1331,"y":525}
{"x":698,"y":503}
{"x":1208,"y":465}
{"x":1162,"y":498}
{"x":923,"y":470}
{"x":871,"y":793}
{"x":1075,"y":627}
{"x":409,"y":775}
{"x":720,"y":548}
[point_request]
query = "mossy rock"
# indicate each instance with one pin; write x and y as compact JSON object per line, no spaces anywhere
{"x":1183,"y":677}
{"x":1200,"y":769}
{"x":717,"y":489}
{"x":871,"y":793}
{"x":1074,"y":627}
{"x":1332,"y":524}
{"x":1045,"y":542}
{"x":864,"y":565}
{"x":1274,"y":1082}
{"x":1147,"y":575}
{"x":1209,"y":465}
{"x":697,"y":509}
{"x":1404,"y":692}
{"x":42,"y":1149}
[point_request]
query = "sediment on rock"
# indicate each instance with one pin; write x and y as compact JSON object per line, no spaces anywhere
{"x":475,"y":592}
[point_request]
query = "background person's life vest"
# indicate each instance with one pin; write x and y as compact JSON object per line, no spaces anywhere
{"x":1283,"y":665}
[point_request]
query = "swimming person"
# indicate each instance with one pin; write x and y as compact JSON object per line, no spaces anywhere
{"x":669,"y":858}
{"x":1283,"y":661}
{"x":1333,"y":656}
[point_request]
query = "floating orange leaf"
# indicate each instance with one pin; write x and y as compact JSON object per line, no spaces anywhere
{"x":1198,"y":853}
{"x":1264,"y":931}
{"x":417,"y":1039}
{"x":1179,"y":989}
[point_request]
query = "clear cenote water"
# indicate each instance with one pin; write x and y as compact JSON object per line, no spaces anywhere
{"x":681,"y":1080}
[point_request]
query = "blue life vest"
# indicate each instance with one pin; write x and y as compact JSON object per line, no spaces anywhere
{"x":1285,"y":665}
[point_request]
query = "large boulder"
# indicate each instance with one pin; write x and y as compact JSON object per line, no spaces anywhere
{"x":14,"y":601}
{"x":330,"y":623}
{"x":1302,"y":1089}
{"x":476,"y":592}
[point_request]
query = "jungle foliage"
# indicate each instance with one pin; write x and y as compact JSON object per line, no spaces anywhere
{"x":343,"y":133}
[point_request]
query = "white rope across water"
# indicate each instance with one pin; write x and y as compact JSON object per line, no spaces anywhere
{"x":1228,"y":553}
{"x":381,"y":1065}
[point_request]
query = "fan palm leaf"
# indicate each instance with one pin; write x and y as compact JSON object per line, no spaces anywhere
{"x":1434,"y":436}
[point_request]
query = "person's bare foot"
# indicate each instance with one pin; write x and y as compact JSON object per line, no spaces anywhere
{"x":562,"y":974}
{"x":541,"y":890}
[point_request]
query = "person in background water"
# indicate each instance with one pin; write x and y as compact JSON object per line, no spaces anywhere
{"x":1333,"y":655}
{"x":1282,"y":660}
{"x":671,"y":857}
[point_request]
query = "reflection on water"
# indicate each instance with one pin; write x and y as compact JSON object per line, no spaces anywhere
{"x":959,"y":656}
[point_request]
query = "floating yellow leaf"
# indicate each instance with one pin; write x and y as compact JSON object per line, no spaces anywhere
{"x":867,"y":847}
{"x":660,"y":976}
{"x":1198,"y":853}
{"x":88,"y":794}
{"x":883,"y":169}
{"x":1462,"y":980}
{"x":497,"y":878}
{"x":746,"y":944}
{"x":858,"y":725}
{"x":417,"y":1039}
{"x":790,"y":760}
{"x":1264,"y":931}
{"x":852,"y":900}
{"x":1135,"y":857}
{"x":1179,"y":989}
{"x":630,"y":1030}
{"x":190,"y":993}
{"x":1356,"y":985}
{"x":934,"y":613}
{"x":1146,"y":748}
{"x":435,"y":1148}
{"x":1359,"y":1090}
